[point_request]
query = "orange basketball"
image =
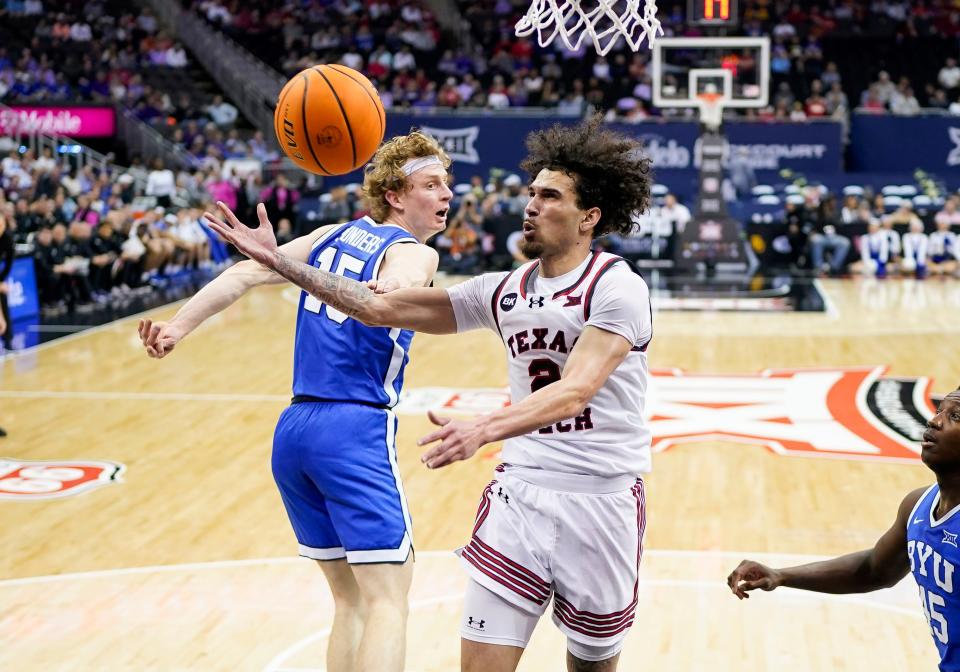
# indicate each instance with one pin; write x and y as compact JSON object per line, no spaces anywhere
{"x":329,"y":119}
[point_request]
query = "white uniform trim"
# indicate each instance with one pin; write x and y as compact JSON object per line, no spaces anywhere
{"x":916,"y":506}
{"x":333,"y":553}
{"x":392,"y":454}
{"x":934,"y":522}
{"x":335,"y":231}
{"x":400,"y":553}
{"x":386,"y":555}
{"x":396,"y":359}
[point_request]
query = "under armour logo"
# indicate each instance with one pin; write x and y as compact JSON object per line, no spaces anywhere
{"x":538,"y":300}
{"x":474,"y":623}
{"x":502,"y":495}
{"x":949,"y":539}
{"x":573,"y":300}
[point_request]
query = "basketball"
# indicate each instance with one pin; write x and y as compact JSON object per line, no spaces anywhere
{"x":329,"y":119}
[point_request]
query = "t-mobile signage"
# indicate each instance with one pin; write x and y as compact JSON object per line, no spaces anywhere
{"x":74,"y":122}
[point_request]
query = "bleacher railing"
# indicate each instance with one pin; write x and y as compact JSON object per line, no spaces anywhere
{"x":146,"y":141}
{"x":245,"y":79}
{"x":68,"y":152}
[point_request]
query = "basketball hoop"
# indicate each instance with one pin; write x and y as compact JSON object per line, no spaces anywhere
{"x":711,"y":110}
{"x":605,"y":24}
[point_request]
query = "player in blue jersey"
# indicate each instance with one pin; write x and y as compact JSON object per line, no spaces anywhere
{"x":923,"y":540}
{"x":334,"y":453}
{"x":567,"y":522}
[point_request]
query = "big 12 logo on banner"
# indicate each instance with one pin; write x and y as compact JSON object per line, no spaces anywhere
{"x":24,"y":480}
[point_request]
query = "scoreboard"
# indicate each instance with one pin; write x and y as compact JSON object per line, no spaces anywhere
{"x":719,"y":13}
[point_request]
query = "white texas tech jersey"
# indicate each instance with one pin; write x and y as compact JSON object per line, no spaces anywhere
{"x":539,"y":321}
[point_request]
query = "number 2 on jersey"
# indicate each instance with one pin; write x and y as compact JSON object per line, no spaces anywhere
{"x":543,"y":372}
{"x":325,"y":263}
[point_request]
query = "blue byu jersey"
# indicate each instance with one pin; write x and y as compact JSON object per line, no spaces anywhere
{"x":336,"y":357}
{"x":932,"y":547}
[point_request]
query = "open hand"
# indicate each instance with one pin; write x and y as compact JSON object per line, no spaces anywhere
{"x":750,"y":575}
{"x":159,"y":338}
{"x":459,"y":440}
{"x":260,"y":244}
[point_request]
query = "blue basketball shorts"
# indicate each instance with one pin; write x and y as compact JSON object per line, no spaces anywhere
{"x":336,"y":467}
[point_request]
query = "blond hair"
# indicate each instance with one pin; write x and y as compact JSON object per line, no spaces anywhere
{"x":385,"y":172}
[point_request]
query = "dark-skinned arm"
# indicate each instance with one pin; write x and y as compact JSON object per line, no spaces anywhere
{"x":862,"y":572}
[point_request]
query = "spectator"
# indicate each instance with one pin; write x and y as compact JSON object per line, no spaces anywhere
{"x":904,"y":103}
{"x":222,"y":113}
{"x":280,"y":200}
{"x":674,"y":214}
{"x":825,"y":239}
{"x":6,"y":266}
{"x":837,"y":102}
{"x":75,"y":266}
{"x":176,"y":56}
{"x":872,"y":102}
{"x":742,"y":175}
{"x":284,"y":231}
{"x":462,"y":251}
{"x":884,"y":88}
{"x":797,"y":112}
{"x":894,"y":244}
{"x":949,"y":76}
{"x":337,"y":209}
{"x":85,"y":213}
{"x":46,"y":257}
{"x":105,"y":249}
{"x":161,"y":184}
{"x":949,"y":214}
{"x":850,"y":213}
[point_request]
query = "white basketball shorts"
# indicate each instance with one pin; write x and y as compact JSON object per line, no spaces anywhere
{"x":577,"y":538}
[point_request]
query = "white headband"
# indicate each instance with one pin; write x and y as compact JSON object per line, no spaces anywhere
{"x":419,"y":163}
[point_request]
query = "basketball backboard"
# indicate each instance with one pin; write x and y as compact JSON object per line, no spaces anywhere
{"x":737,"y":68}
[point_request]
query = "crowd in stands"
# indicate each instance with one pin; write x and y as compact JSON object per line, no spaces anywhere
{"x":85,"y":53}
{"x":825,"y":234}
{"x":104,"y":236}
{"x":867,"y":234}
{"x":102,"y":52}
{"x":413,"y":64}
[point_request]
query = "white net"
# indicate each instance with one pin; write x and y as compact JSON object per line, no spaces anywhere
{"x":711,"y":110}
{"x":605,"y":21}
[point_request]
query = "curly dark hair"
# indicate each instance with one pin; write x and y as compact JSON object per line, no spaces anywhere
{"x":608,"y":168}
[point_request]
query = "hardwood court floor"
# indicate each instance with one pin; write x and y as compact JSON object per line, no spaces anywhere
{"x":187,"y":562}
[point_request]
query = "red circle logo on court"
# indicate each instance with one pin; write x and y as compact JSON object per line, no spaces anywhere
{"x":23,"y":481}
{"x":851,"y":412}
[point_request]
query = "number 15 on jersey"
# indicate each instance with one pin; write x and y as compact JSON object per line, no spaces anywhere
{"x":347,"y":267}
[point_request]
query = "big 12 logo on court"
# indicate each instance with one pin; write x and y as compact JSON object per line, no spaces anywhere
{"x":24,"y":480}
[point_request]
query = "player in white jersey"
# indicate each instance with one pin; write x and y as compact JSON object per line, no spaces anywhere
{"x":565,"y":515}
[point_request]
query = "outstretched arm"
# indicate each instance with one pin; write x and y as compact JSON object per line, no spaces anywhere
{"x":879,"y":567}
{"x":597,"y":354}
{"x":159,"y":338}
{"x":418,"y":308}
